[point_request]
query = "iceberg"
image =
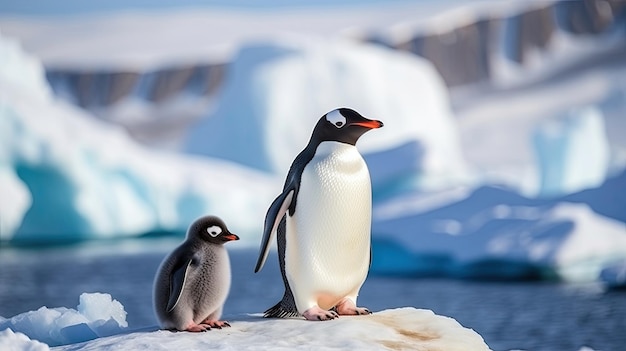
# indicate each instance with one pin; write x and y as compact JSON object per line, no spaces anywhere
{"x":572,"y":152}
{"x":495,"y":233}
{"x":277,"y":90}
{"x":64,"y":175}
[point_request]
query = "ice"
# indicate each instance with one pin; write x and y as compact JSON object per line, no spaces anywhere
{"x":278,"y":89}
{"x":12,"y":341}
{"x":403,"y":328}
{"x":614,"y":274}
{"x":572,"y":151}
{"x":97,"y":315}
{"x":68,"y":176}
{"x":495,"y":233}
{"x":100,"y":306}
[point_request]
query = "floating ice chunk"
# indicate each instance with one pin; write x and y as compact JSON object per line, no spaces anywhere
{"x":100,"y":307}
{"x":12,"y":341}
{"x":97,"y":315}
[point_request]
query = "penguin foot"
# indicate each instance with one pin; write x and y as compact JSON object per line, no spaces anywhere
{"x":317,"y":314}
{"x":215,"y":323}
{"x":198,"y":328}
{"x":347,"y":307}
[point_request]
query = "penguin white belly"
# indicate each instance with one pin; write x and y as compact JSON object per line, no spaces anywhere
{"x":327,"y":250}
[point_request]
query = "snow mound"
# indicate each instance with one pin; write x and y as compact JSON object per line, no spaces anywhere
{"x":276,"y":91}
{"x":65,"y":175}
{"x":404,"y":328}
{"x":495,"y":233}
{"x":11,"y":341}
{"x":97,"y":315}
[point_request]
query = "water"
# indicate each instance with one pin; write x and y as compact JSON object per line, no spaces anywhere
{"x":530,"y":315}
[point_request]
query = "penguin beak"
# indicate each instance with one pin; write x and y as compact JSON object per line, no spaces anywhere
{"x":230,"y":237}
{"x":371,"y":124}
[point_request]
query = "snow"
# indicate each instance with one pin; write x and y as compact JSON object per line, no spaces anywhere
{"x":395,"y":328}
{"x":11,"y":341}
{"x":97,"y":315}
{"x":278,"y":90}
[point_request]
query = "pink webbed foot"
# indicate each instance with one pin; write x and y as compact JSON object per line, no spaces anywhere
{"x":206,"y":325}
{"x":348,"y":308}
{"x":213,"y":323}
{"x":198,"y":328}
{"x":317,"y":314}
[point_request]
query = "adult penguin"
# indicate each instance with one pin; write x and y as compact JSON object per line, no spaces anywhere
{"x":323,"y":220}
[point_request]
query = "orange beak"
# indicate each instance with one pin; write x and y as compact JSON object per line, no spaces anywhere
{"x":373,"y":124}
{"x":231,"y":237}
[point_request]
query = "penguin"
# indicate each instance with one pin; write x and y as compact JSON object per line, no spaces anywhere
{"x":192,"y":282}
{"x":323,"y":221}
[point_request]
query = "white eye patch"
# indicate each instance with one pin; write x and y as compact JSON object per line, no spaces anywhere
{"x":336,"y":118}
{"x":214,"y":230}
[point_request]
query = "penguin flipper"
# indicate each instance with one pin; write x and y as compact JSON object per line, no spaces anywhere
{"x":180,"y":272}
{"x":274,"y":215}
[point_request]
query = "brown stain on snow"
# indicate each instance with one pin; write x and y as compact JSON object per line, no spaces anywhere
{"x":410,"y":339}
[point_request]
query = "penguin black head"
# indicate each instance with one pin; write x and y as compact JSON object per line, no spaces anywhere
{"x":344,"y":125}
{"x":211,"y":229}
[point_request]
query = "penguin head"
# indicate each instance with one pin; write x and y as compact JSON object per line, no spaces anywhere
{"x":344,"y":125}
{"x":210,"y":229}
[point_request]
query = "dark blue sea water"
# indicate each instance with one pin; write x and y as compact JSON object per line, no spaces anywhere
{"x":526,"y":315}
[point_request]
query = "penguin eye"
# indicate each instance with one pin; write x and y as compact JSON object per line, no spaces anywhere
{"x":214,"y":231}
{"x":336,"y":118}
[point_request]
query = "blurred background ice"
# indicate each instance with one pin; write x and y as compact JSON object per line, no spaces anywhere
{"x":502,"y":157}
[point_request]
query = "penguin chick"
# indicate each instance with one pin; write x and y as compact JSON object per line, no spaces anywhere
{"x":192,"y":282}
{"x":323,"y":221}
